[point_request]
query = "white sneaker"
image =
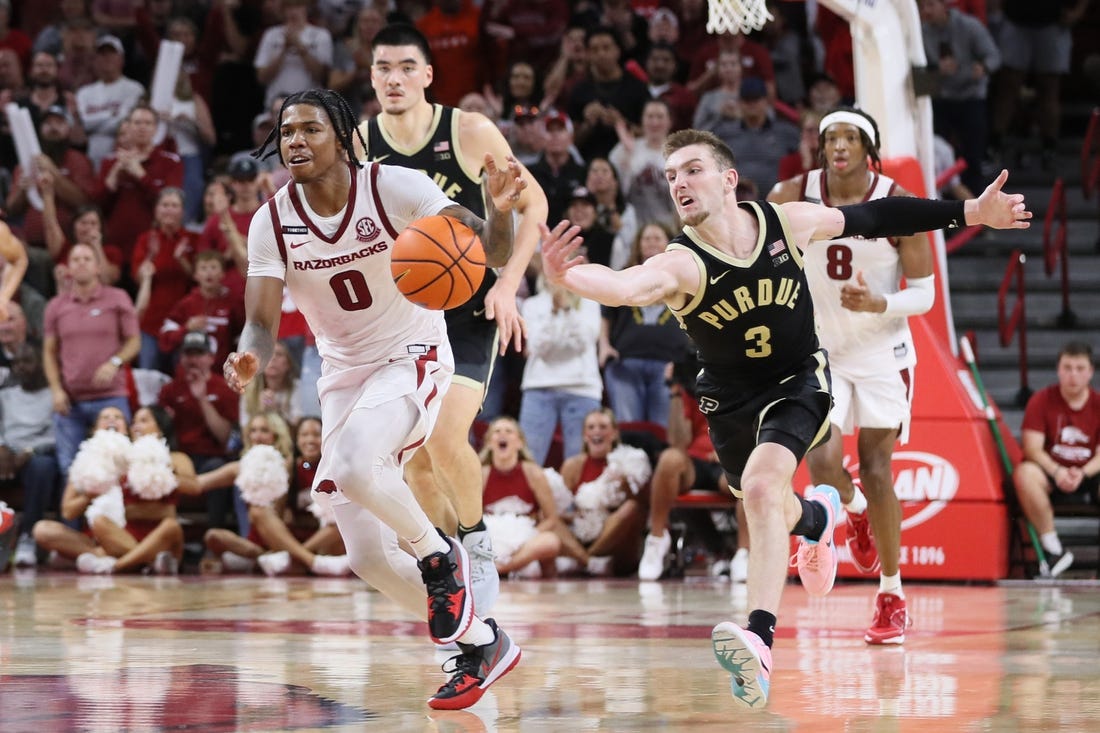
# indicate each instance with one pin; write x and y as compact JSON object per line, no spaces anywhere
{"x":234,"y":563}
{"x":335,"y":565}
{"x":165,"y":563}
{"x":652,"y":565}
{"x":601,"y":566}
{"x":91,"y":563}
{"x":739,"y":566}
{"x":484,"y":578}
{"x":26,"y":552}
{"x":274,"y":563}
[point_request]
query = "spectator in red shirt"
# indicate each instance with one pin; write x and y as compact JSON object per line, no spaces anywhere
{"x":1060,"y":435}
{"x":205,"y":411}
{"x":70,"y":176}
{"x":755,"y":62}
{"x":90,"y":332}
{"x":227,"y":230}
{"x":451,"y":28}
{"x":209,"y":307}
{"x":163,"y":259}
{"x":131,"y":180}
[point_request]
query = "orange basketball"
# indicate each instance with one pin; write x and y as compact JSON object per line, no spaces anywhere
{"x":438,"y":262}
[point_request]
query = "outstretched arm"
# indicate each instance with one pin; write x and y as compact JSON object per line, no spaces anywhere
{"x":661,"y":279}
{"x":901,"y":216}
{"x":263,"y":297}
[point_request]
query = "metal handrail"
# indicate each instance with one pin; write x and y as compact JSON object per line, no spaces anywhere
{"x":1056,"y":248}
{"x":1008,"y":325}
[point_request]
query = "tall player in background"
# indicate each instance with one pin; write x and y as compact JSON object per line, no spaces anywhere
{"x":328,"y":235}
{"x":862,"y":321}
{"x":450,"y":146}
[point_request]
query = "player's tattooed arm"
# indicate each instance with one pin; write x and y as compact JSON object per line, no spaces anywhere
{"x":496,"y":233}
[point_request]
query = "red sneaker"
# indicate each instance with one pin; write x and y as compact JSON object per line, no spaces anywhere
{"x":475,"y":669}
{"x":890,"y":622}
{"x":861,"y":543}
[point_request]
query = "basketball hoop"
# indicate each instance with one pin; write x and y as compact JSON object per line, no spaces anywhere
{"x":736,"y":16}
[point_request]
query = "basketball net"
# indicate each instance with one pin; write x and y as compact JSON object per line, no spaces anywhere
{"x":736,"y":16}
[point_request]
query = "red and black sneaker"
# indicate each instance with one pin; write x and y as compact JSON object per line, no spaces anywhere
{"x":450,"y":603}
{"x":8,"y":532}
{"x":861,"y":543}
{"x":475,"y":669}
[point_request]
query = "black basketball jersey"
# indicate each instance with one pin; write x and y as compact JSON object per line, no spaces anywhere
{"x":752,"y":320}
{"x":439,"y":158}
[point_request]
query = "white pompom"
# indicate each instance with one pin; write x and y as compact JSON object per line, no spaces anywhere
{"x":109,"y":504}
{"x":99,"y":462}
{"x":563,"y":497}
{"x":587,"y":524}
{"x":509,"y":532}
{"x":630,"y":463}
{"x":150,"y":475}
{"x":323,"y":512}
{"x":263,"y":477}
{"x":509,"y":505}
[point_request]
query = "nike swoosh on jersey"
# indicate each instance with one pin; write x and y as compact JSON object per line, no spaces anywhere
{"x":716,"y":278}
{"x":379,"y":158}
{"x":479,"y":314}
{"x":296,"y":245}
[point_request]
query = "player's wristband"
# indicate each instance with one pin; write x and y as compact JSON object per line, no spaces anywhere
{"x":916,"y":298}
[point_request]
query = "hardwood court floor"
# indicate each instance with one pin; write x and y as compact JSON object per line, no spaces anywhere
{"x":257,"y":654}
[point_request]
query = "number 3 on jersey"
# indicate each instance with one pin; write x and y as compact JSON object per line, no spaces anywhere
{"x":760,"y":337}
{"x":351,"y":290}
{"x":839,"y":261}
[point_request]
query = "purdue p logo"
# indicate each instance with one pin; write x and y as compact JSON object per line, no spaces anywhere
{"x":707,"y":405}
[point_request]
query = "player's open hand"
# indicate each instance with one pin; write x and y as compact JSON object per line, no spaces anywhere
{"x":500,"y":306}
{"x":857,"y":296}
{"x":1001,"y":210}
{"x":559,"y":249}
{"x":239,"y":369}
{"x":504,"y":184}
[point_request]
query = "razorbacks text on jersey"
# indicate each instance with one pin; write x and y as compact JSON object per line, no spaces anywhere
{"x":751,"y":319}
{"x":439,"y":156}
{"x":829,"y":265}
{"x":337,"y":268}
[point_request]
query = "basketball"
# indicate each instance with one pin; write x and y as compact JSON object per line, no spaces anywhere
{"x":438,"y":262}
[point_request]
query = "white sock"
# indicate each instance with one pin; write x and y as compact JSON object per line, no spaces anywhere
{"x":858,"y":504}
{"x":890,"y":584}
{"x":479,"y":634}
{"x":1051,"y":543}
{"x":429,"y":543}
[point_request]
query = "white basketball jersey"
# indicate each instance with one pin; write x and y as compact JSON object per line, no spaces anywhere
{"x":339,"y":274}
{"x":830,"y":264}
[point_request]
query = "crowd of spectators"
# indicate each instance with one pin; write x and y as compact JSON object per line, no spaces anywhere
{"x":126,"y":284}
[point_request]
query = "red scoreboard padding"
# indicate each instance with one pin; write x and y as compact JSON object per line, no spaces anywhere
{"x":948,"y":476}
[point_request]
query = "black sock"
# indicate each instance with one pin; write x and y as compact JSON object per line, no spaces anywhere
{"x":762,"y":624}
{"x":479,"y":527}
{"x":813,"y":520}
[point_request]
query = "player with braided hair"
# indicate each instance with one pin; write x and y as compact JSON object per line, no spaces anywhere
{"x":862,"y":316}
{"x":328,"y":234}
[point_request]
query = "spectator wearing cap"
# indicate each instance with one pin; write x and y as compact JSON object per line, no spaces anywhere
{"x":664,"y":27}
{"x":226,"y":230}
{"x":162,"y":265}
{"x":69,"y":174}
{"x":598,"y":240}
{"x":609,"y":95}
{"x":559,"y":170}
{"x":91,"y":331}
{"x":206,"y":412}
{"x":132,"y":178}
{"x":105,"y":103}
{"x":759,"y":140}
{"x":661,"y":66}
{"x":526,"y":135}
{"x":210,"y":307}
{"x":295,"y":55}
